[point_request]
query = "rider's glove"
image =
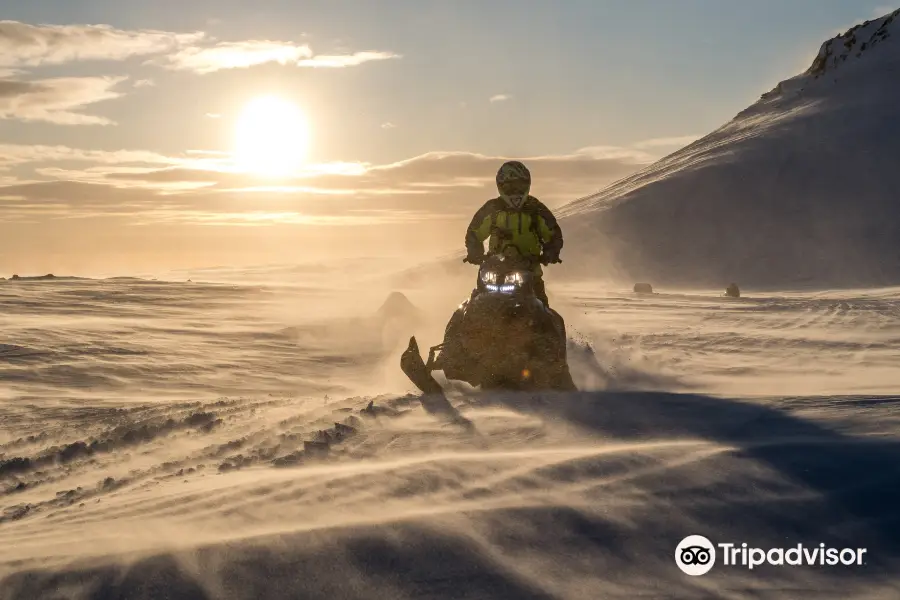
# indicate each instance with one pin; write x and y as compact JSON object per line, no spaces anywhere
{"x":474,"y":260}
{"x":549,"y":258}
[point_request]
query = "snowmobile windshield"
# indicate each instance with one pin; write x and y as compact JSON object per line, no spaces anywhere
{"x":502,"y":274}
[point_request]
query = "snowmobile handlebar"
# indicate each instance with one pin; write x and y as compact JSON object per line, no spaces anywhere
{"x":533,"y":262}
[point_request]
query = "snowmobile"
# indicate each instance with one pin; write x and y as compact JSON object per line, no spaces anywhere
{"x":501,"y":337}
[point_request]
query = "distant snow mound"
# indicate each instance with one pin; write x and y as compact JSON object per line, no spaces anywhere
{"x":398,"y":306}
{"x":799,"y":188}
{"x":34,"y":278}
{"x":397,"y":319}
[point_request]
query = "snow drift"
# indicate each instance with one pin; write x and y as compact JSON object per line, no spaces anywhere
{"x":799,"y":188}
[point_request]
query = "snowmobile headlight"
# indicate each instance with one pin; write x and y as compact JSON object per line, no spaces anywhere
{"x":489,"y":277}
{"x":515,"y":278}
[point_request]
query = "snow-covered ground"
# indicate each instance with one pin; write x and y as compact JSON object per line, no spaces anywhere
{"x":152,"y":438}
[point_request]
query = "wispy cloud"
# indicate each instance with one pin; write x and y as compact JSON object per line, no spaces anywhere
{"x":56,"y":100}
{"x":23,"y":44}
{"x":257,"y":218}
{"x":18,"y":154}
{"x":200,"y":187}
{"x":664,"y":142}
{"x":250,"y":53}
{"x":144,"y":83}
{"x":48,"y":201}
{"x":428,"y":174}
{"x":345,"y":60}
{"x":101,"y":175}
{"x":387,"y":125}
{"x":499,"y":98}
{"x":236,"y":55}
{"x":623,"y":153}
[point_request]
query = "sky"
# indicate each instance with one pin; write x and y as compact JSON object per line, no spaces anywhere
{"x":133,"y":137}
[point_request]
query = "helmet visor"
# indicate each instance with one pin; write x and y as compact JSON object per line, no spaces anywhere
{"x":514,"y":187}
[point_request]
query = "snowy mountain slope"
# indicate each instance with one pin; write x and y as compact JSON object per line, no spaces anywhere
{"x":799,"y":188}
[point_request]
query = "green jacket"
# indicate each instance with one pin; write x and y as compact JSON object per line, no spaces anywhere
{"x":529,"y":230}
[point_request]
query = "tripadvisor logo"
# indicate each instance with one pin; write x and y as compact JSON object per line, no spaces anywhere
{"x":696,"y":555}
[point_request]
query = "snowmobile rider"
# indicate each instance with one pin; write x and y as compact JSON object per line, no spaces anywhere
{"x":516,"y":221}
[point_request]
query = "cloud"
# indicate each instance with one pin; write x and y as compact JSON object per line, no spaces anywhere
{"x":630,"y":154}
{"x":56,"y":100}
{"x":210,"y":115}
{"x":678,"y":141}
{"x":19,"y":154}
{"x":200,"y":187}
{"x":145,"y":188}
{"x":127,"y":177}
{"x":27,"y":45}
{"x":430,"y":175}
{"x":250,"y":53}
{"x":499,"y":98}
{"x":387,"y":125}
{"x":144,"y":83}
{"x":345,"y":60}
{"x":256,"y":218}
{"x":236,"y":55}
{"x":22,"y":44}
{"x":40,"y":202}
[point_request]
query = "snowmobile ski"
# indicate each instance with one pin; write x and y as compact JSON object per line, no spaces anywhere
{"x":433,"y":401}
{"x":414,"y":367}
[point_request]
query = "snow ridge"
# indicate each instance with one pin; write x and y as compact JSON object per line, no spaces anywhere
{"x":857,"y":41}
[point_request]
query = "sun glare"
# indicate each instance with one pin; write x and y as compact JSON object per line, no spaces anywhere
{"x":271,"y":137}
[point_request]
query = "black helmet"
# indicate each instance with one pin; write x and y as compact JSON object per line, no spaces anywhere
{"x":514,"y":183}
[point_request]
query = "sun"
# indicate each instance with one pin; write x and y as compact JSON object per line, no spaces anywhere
{"x":271,"y":137}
